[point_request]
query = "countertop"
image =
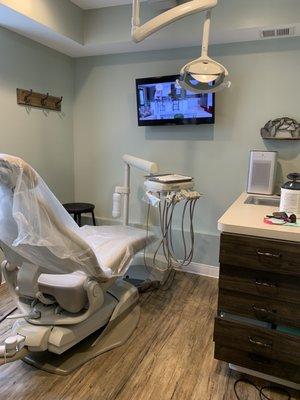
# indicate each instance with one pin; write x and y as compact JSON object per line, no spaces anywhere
{"x":247,"y":219}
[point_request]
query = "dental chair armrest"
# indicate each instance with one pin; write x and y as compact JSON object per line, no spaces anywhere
{"x":95,"y":300}
{"x":69,"y":290}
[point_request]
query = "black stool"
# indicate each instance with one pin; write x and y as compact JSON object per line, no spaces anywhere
{"x":80,"y":208}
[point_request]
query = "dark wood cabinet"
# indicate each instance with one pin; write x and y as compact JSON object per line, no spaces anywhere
{"x":260,"y":308}
{"x":258,"y":321}
{"x":261,"y":254}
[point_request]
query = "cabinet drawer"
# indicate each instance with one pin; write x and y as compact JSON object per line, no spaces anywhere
{"x":263,"y":309}
{"x":262,"y":341}
{"x":259,"y":253}
{"x":274,"y":286}
{"x":259,"y":363}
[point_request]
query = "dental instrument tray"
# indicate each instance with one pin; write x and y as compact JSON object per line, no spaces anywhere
{"x":169,"y":178}
{"x":169,"y":182}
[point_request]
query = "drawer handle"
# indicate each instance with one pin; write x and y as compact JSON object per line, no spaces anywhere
{"x":267,"y":254}
{"x":260,"y":343}
{"x":265,"y":283}
{"x":263,"y":310}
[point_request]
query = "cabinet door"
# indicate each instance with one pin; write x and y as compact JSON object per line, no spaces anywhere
{"x":260,"y":308}
{"x":265,"y":342}
{"x":261,"y":283}
{"x":257,"y":362}
{"x":261,"y":254}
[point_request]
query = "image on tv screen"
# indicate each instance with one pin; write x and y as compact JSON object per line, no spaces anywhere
{"x":168,"y":101}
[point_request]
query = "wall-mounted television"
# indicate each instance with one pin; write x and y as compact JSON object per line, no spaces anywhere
{"x":161,"y":101}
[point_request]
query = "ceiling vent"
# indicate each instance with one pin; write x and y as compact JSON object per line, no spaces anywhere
{"x":277,"y":32}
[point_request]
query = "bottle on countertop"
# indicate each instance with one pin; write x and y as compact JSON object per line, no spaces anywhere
{"x":290,"y":195}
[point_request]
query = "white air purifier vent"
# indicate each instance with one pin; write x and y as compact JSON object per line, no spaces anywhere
{"x":262,"y":172}
{"x":277,"y":32}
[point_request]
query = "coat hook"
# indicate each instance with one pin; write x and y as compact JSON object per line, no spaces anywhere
{"x":27,"y":97}
{"x":57,"y":103}
{"x":44,"y":99}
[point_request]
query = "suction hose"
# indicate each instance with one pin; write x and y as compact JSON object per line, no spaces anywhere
{"x":11,"y":350}
{"x":19,"y":355}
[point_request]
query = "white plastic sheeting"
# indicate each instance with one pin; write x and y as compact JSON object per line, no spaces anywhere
{"x":115,"y":246}
{"x":35,"y":227}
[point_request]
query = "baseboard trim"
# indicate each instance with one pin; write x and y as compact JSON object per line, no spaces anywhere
{"x":201,"y":269}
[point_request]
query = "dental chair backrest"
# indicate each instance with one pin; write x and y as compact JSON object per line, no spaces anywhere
{"x":35,"y":227}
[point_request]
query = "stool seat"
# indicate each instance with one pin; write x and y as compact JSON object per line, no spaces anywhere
{"x":80,"y":208}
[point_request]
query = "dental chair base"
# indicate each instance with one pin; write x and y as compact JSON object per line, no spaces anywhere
{"x":91,"y":347}
{"x":143,"y":269}
{"x":62,"y":348}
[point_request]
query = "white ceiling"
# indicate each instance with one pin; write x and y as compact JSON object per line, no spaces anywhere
{"x":89,"y":4}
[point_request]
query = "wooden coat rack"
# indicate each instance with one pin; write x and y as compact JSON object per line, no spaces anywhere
{"x":40,"y":100}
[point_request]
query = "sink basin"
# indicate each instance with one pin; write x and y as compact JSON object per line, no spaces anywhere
{"x":263,"y":201}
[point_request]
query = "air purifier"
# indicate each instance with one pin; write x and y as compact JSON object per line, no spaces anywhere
{"x":262,"y":172}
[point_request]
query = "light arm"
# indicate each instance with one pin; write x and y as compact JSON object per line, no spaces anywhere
{"x":140,"y":32}
{"x":202,"y":75}
{"x":147,"y":166}
{"x":206,"y":31}
{"x":144,"y":165}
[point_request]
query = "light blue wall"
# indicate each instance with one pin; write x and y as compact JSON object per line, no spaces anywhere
{"x":43,"y":138}
{"x":265,"y":85}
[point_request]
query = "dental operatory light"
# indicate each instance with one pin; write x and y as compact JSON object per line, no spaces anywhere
{"x":203,"y":75}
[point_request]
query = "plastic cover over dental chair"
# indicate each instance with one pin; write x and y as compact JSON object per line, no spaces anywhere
{"x":35,"y":227}
{"x":71,"y":306}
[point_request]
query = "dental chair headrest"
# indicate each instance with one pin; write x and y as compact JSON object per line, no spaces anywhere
{"x":35,"y":225}
{"x":11,"y":168}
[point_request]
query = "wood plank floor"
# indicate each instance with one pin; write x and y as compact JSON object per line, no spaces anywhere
{"x":169,"y":356}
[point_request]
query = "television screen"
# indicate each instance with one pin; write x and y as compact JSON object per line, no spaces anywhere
{"x":161,"y":101}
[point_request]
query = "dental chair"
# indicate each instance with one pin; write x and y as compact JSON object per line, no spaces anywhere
{"x":72,"y":303}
